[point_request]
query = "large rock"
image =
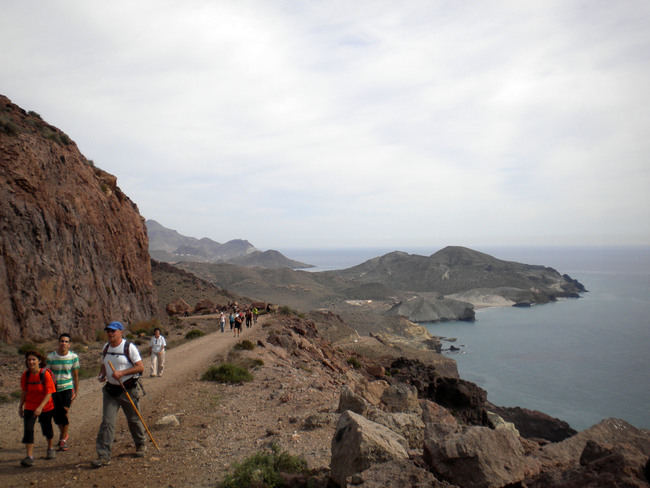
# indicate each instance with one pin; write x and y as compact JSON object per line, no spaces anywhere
{"x":178,"y":307}
{"x":399,"y":474}
{"x":611,"y":453}
{"x":401,"y":397}
{"x":359,"y":443}
{"x":438,"y":421}
{"x":480,"y":457}
{"x":408,"y":425}
{"x":204,"y":307}
{"x":536,"y":425}
{"x":73,"y":247}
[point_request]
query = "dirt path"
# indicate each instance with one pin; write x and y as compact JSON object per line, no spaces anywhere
{"x":175,"y":393}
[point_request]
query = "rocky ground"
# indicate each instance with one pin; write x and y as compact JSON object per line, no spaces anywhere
{"x":219,"y":424}
{"x":359,"y":412}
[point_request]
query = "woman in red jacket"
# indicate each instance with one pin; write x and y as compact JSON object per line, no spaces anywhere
{"x":37,"y":386}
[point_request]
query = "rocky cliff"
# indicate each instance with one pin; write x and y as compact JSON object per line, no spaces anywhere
{"x":73,"y":247}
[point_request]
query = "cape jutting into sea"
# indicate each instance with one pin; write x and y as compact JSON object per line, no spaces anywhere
{"x":581,"y":360}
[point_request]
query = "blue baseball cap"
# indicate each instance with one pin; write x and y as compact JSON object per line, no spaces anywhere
{"x":114,"y":326}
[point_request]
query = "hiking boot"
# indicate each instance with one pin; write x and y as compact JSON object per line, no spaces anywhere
{"x":140,"y":451}
{"x":99,"y":462}
{"x":63,"y":444}
{"x":27,"y":462}
{"x":51,"y":454}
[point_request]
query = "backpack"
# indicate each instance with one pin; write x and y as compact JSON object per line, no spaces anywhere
{"x":41,"y":377}
{"x":125,"y":352}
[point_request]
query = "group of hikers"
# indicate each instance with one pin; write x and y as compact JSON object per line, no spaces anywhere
{"x":237,"y":318}
{"x":50,"y":385}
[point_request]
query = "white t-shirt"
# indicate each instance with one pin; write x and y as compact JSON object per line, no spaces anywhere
{"x":157,"y":344}
{"x":116,"y":356}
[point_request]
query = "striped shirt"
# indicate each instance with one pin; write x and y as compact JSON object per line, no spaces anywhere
{"x":62,"y":367}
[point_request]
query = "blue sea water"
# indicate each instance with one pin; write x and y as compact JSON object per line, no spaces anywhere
{"x":580,"y":360}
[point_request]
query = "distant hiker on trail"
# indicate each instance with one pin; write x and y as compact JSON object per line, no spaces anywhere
{"x":222,"y":321}
{"x":249,"y":318}
{"x":255,"y":313}
{"x":238,"y":322}
{"x":125,"y":358}
{"x":158,"y":345}
{"x":232,"y":321}
{"x":65,"y":365}
{"x":37,"y":385}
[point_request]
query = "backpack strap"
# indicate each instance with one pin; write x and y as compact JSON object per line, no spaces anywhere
{"x":125,"y":352}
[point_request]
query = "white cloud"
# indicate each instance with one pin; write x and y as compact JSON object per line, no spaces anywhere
{"x":365,"y":123}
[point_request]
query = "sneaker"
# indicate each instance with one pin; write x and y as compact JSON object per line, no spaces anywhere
{"x":27,"y":462}
{"x":51,"y":454}
{"x":140,"y":451}
{"x":63,"y":444}
{"x":99,"y":462}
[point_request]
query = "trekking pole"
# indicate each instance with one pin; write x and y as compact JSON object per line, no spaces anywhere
{"x":135,"y":408}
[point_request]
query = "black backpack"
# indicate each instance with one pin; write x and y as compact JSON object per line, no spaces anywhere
{"x":125,"y":352}
{"x":41,"y":377}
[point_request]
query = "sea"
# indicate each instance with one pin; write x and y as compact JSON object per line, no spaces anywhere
{"x":580,"y":360}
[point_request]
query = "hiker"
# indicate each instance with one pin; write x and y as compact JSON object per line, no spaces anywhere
{"x":37,"y":385}
{"x":238,"y":322}
{"x":249,"y":318}
{"x":232,"y":321}
{"x":222,"y":321}
{"x":255,"y":313}
{"x":65,"y":365}
{"x":125,"y":358}
{"x":158,"y":345}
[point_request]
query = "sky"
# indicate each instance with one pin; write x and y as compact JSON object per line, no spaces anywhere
{"x":325,"y":124}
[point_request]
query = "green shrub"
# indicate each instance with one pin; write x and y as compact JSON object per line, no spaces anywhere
{"x":227,"y":373}
{"x":354,"y":362}
{"x":262,"y":470}
{"x":194,"y":333}
{"x":245,"y":345}
{"x":286,"y":310}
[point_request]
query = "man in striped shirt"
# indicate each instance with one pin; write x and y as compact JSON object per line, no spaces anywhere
{"x":65,"y":365}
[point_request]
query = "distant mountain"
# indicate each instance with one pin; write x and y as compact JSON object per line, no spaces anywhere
{"x":444,"y":286}
{"x":169,"y":246}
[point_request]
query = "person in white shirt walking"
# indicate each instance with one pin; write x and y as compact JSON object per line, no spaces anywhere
{"x":158,"y":345}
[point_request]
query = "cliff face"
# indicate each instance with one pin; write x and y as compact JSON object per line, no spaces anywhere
{"x":73,"y":247}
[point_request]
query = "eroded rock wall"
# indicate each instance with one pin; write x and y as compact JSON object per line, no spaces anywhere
{"x":73,"y":247}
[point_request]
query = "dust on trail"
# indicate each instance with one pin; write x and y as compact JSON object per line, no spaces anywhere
{"x":183,"y":366}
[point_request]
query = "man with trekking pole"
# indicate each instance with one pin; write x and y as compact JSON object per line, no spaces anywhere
{"x":121,"y":369}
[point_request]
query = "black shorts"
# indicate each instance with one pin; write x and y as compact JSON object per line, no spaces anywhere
{"x":62,"y":401}
{"x":45,"y":419}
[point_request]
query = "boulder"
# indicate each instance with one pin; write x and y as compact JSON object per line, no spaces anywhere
{"x":480,"y":457}
{"x":610,"y":453}
{"x":204,"y":307}
{"x":397,"y":473}
{"x":408,"y":425}
{"x":360,"y":443}
{"x":349,"y":400}
{"x":532,"y":424}
{"x":179,"y":307}
{"x":438,"y":421}
{"x":496,"y":422}
{"x":401,"y":397}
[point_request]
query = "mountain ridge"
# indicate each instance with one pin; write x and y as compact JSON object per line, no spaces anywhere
{"x":168,"y":245}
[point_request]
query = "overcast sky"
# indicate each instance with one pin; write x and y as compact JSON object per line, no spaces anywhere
{"x":353,"y":124}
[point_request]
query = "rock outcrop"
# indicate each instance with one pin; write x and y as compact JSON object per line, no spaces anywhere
{"x":73,"y":247}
